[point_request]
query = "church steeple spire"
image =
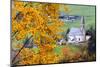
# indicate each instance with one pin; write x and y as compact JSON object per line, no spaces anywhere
{"x":82,"y":26}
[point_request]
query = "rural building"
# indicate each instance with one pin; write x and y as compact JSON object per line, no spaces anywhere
{"x":77,"y":35}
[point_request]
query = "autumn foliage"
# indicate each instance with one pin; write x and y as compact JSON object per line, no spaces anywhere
{"x":40,"y":22}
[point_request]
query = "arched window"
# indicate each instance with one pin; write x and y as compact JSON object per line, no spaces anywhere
{"x":79,"y":39}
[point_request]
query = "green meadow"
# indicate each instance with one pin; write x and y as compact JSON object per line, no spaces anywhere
{"x":79,"y":10}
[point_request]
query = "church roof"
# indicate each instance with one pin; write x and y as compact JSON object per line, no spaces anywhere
{"x":75,"y":31}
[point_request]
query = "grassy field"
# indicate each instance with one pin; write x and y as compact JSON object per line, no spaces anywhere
{"x":87,"y":11}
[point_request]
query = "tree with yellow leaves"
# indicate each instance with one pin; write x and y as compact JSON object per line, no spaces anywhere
{"x":39,"y":20}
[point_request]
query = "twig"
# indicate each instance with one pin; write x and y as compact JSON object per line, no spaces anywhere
{"x":21,"y":49}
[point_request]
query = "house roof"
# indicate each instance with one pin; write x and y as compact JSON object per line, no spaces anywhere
{"x":75,"y":31}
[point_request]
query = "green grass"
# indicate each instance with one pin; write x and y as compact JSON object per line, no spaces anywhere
{"x":87,"y":11}
{"x":73,"y":48}
{"x":58,"y":49}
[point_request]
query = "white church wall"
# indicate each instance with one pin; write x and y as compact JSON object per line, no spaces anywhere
{"x":75,"y":39}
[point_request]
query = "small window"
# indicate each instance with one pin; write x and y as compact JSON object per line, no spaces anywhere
{"x":79,"y":39}
{"x":73,"y":39}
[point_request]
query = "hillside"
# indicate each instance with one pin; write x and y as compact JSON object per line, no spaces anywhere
{"x":79,"y":10}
